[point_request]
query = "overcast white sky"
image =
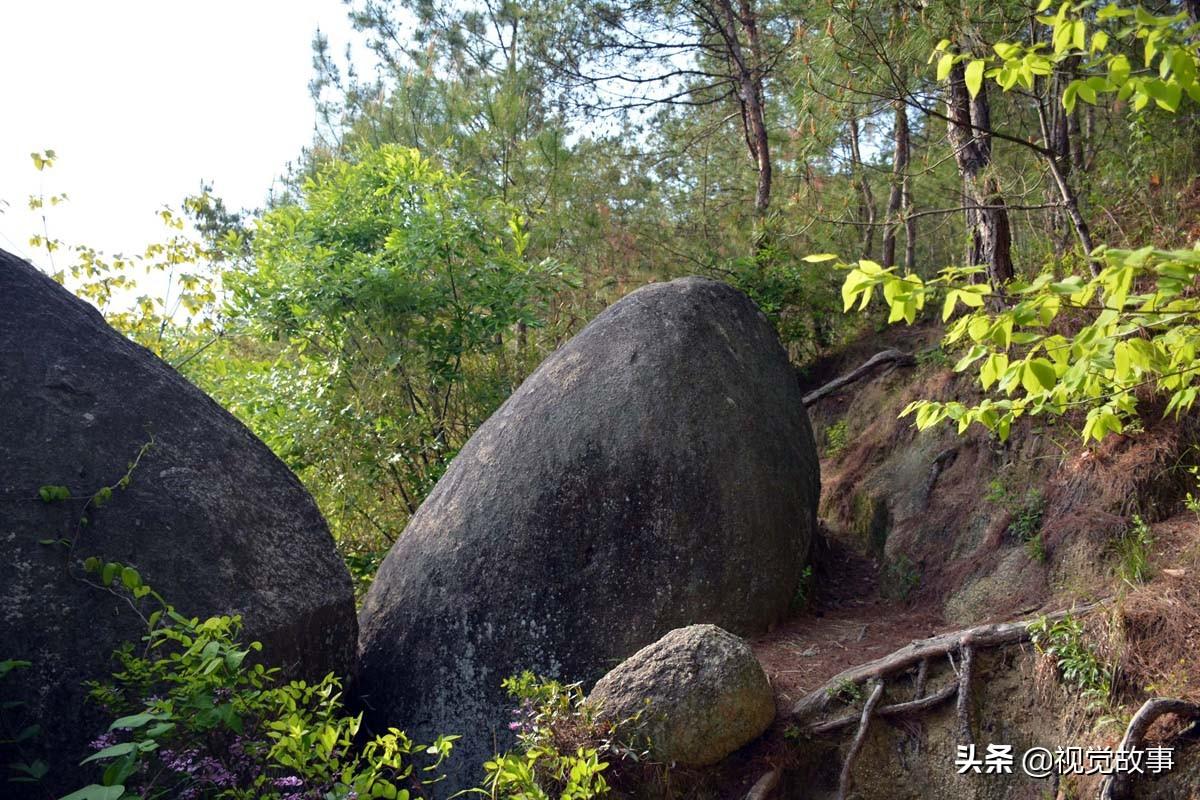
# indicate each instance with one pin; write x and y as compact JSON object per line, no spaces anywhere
{"x":142,"y":99}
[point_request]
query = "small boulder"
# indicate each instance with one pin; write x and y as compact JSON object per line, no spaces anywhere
{"x":210,"y":518}
{"x":656,"y":471}
{"x":698,"y":693}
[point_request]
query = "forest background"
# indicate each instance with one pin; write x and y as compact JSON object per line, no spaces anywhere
{"x":512,"y":168}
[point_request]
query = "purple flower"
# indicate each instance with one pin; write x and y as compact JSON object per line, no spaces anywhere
{"x":288,"y":782}
{"x":104,"y":740}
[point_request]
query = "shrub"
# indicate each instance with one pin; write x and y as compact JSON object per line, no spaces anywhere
{"x":199,"y":718}
{"x":565,"y":747}
{"x":1078,"y":664}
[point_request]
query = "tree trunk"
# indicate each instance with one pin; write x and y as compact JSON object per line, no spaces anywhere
{"x":749,"y":84}
{"x":866,"y":199}
{"x":987,"y":215}
{"x":900,"y":196}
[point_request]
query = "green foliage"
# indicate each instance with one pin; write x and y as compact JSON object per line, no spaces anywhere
{"x":1131,"y":339}
{"x":17,"y":731}
{"x":1167,"y":73}
{"x":565,"y":748}
{"x":54,"y":494}
{"x":1055,"y":343}
{"x":804,"y":589}
{"x":198,"y":716}
{"x":1132,"y":550}
{"x":847,"y":691}
{"x":1079,"y":666}
{"x":1192,"y":501}
{"x":1027,"y":512}
{"x":836,"y":438}
{"x":900,"y":577}
{"x":170,"y":323}
{"x":934,"y":357}
{"x":384,"y":297}
{"x":798,"y":297}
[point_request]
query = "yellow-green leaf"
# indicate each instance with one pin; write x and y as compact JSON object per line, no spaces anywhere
{"x":973,"y":76}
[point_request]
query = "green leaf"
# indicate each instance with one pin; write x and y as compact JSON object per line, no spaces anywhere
{"x":1118,"y":70}
{"x":819,"y":257}
{"x":53,"y":494}
{"x":974,"y":354}
{"x":1167,"y":95}
{"x":96,"y":792}
{"x":1070,"y":94}
{"x":134,"y":720}
{"x":992,"y":369}
{"x":1043,"y":374}
{"x":973,"y":76}
{"x":944,"y":65}
{"x":130,"y":578}
{"x":116,"y":750}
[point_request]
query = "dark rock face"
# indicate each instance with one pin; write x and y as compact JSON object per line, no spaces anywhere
{"x":210,"y":518}
{"x":656,"y":471}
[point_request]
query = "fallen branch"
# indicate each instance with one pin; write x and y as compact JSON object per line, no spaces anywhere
{"x":982,"y":636}
{"x":887,"y":712}
{"x":859,"y":738}
{"x":894,"y":357}
{"x":1118,"y":785}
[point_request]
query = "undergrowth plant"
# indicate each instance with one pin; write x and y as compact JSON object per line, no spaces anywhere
{"x":198,"y":717}
{"x":1079,"y":666}
{"x":17,"y":731}
{"x":1132,"y":549}
{"x":1026,"y":511}
{"x":836,"y":438}
{"x":804,"y":590}
{"x":565,"y":745}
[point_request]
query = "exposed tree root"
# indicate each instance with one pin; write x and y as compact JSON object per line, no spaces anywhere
{"x":763,"y":787}
{"x":964,"y":693}
{"x":943,"y":645}
{"x":856,"y":745}
{"x":1119,"y":785}
{"x":918,"y":654}
{"x":896,"y":710}
{"x":895,"y":358}
{"x":922,"y":677}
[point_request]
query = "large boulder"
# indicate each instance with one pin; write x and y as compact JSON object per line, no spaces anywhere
{"x":698,"y":694}
{"x":210,"y":518}
{"x":656,"y":471}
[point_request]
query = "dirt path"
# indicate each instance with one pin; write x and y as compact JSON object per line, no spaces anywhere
{"x":848,"y":623}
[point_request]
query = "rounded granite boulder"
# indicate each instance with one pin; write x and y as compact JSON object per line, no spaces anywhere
{"x":210,"y":518}
{"x":698,"y":694}
{"x":656,"y":471}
